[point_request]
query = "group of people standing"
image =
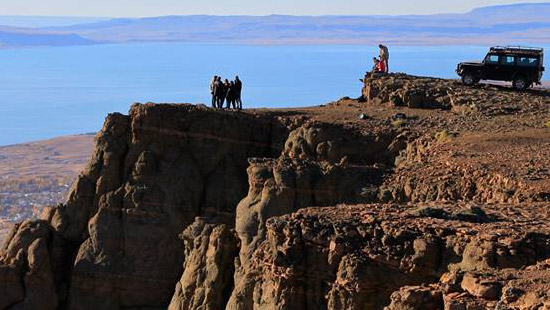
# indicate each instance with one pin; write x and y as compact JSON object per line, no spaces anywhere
{"x":381,"y":65}
{"x":228,"y":91}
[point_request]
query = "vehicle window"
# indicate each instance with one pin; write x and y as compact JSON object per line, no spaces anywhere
{"x":528,"y":61}
{"x":508,"y":60}
{"x":491,"y":59}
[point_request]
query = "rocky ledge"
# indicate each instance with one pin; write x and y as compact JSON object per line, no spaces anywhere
{"x":432,"y":93}
{"x":435,"y":198}
{"x":354,"y":257}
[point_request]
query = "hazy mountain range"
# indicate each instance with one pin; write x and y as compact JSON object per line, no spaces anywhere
{"x":508,"y":24}
{"x":14,"y":37}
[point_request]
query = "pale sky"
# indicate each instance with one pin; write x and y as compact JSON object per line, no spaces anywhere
{"x":139,"y":8}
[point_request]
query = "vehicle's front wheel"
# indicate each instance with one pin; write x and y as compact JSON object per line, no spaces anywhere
{"x":469,"y":79}
{"x":521,"y":83}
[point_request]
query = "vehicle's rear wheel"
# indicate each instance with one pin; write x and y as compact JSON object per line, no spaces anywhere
{"x":469,"y":79}
{"x":521,"y":83}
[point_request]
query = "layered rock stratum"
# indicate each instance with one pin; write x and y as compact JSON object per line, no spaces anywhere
{"x":435,"y":198}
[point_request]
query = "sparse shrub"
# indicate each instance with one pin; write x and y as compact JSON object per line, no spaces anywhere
{"x":547,"y":124}
{"x":444,"y":136}
{"x":399,"y":123}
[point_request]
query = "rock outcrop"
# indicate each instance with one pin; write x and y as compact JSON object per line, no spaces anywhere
{"x":355,"y":257}
{"x":172,"y":164}
{"x":508,"y":289}
{"x":207,"y":279}
{"x":115,"y":243}
{"x":26,"y":270}
{"x":318,"y":167}
{"x":470,"y":167}
{"x":431,"y":93}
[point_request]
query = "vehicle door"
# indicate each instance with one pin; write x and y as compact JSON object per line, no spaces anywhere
{"x":507,"y":68}
{"x":491,"y":66}
{"x":529,"y":66}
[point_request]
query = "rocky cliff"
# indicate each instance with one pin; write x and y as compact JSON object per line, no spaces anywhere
{"x":115,"y":243}
{"x":432,"y":199}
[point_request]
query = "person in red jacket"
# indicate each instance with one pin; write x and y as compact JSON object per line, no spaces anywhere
{"x":381,"y":66}
{"x":375,"y":65}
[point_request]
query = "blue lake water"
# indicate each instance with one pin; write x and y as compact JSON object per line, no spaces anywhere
{"x":48,"y":92}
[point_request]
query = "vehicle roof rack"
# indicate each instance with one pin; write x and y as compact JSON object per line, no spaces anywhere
{"x":518,"y":49}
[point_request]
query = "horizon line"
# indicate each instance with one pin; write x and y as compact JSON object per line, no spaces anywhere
{"x":278,"y":14}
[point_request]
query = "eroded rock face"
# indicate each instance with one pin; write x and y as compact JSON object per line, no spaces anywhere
{"x":27,"y":280}
{"x":332,"y":143}
{"x":39,"y":280}
{"x":470,"y":167}
{"x":207,"y":279}
{"x":115,"y":243}
{"x":416,"y":298}
{"x":400,"y":90}
{"x":282,"y":187}
{"x":317,"y":168}
{"x":508,"y":289}
{"x":179,"y":163}
{"x":355,"y":257}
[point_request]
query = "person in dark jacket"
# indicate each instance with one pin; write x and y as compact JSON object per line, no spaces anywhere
{"x":226,"y":86}
{"x":238,"y":91}
{"x":231,"y":95}
{"x":385,"y":57}
{"x":220,"y":93}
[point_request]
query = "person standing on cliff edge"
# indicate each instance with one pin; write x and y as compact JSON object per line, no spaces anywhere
{"x":385,"y":57}
{"x":238,"y":89}
{"x":219,"y":93}
{"x":230,"y":95}
{"x":213,"y":90}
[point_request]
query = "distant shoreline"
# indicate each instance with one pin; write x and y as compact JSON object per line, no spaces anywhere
{"x":47,"y":140}
{"x":394,"y":43}
{"x":493,"y":25}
